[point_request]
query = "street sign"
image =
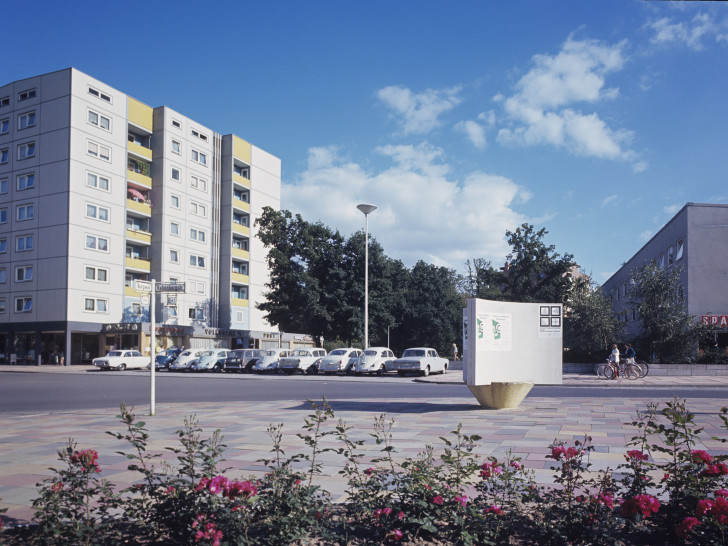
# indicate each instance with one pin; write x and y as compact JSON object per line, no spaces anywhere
{"x":169,"y":287}
{"x":142,"y":286}
{"x":145,"y":299}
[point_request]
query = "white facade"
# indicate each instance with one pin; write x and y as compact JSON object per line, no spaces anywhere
{"x":98,"y":190}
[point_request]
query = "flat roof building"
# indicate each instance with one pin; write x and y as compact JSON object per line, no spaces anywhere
{"x":99,"y":190}
{"x":696,"y":240}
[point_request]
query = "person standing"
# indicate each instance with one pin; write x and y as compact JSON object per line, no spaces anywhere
{"x":455,"y":351}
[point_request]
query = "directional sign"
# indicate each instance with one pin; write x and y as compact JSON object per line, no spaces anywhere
{"x":169,"y":287}
{"x":142,"y":286}
{"x":145,"y":299}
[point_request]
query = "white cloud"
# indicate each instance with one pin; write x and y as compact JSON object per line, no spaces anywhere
{"x":690,"y":33}
{"x":541,"y":109}
{"x":419,"y":112}
{"x":423,"y":213}
{"x":640,"y":166}
{"x":474,"y":131}
{"x":610,"y":199}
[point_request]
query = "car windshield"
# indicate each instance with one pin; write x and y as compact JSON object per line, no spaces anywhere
{"x":268,"y":353}
{"x":207,"y":353}
{"x":338,"y":352}
{"x":301,"y":352}
{"x":370,"y":352}
{"x":414,"y":352}
{"x":115,"y":353}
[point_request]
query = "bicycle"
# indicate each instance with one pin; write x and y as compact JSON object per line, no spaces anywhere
{"x":630,"y":369}
{"x":644,"y":367}
{"x":607,"y":370}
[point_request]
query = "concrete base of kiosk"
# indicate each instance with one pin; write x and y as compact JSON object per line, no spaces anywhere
{"x":501,"y":395}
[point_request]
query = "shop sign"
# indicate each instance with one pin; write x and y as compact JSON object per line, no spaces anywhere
{"x":721,"y":321}
{"x":173,"y":330}
{"x":122,"y":328}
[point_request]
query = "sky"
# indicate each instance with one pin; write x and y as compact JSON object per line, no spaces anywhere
{"x":460,"y":121}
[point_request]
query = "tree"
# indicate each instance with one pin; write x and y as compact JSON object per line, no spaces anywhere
{"x":589,"y":323}
{"x":669,"y":332}
{"x":535,"y":272}
{"x":483,"y":281}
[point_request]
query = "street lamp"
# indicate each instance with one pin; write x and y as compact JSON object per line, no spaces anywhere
{"x":366,"y":209}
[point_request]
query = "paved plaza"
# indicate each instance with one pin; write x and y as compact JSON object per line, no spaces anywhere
{"x":28,"y":443}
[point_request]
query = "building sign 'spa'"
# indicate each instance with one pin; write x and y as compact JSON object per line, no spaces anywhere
{"x":721,"y":321}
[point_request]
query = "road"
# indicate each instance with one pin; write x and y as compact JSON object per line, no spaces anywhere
{"x":27,"y":393}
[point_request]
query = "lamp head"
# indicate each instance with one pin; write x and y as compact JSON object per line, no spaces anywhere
{"x":366,"y":209}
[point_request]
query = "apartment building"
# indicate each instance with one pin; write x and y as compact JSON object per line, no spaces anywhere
{"x":99,"y":190}
{"x":696,"y":241}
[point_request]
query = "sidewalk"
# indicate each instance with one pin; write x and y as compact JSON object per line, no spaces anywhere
{"x":29,"y":443}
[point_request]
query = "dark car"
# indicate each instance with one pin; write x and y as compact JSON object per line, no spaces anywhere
{"x":242,"y":360}
{"x":166,"y":357}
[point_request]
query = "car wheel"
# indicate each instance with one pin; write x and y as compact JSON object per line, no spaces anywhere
{"x":217,"y":368}
{"x":444,"y":369}
{"x":400,"y":373}
{"x":312,"y":370}
{"x":380,"y":371}
{"x":426,"y":371}
{"x":122,"y":367}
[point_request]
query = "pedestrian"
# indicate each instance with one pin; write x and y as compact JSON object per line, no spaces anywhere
{"x":455,"y":351}
{"x":629,"y":353}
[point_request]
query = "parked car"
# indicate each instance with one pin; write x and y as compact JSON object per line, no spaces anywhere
{"x":183,"y":362}
{"x":422,"y":360}
{"x":121,"y":360}
{"x":211,"y":360}
{"x":375,"y":360}
{"x":241,"y":360}
{"x":166,"y":356}
{"x":302,"y":360}
{"x":339,"y":360}
{"x":268,"y":360}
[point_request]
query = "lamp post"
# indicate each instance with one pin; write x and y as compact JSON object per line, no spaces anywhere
{"x":366,"y":209}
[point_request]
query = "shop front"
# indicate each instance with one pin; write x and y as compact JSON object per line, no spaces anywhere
{"x":38,"y":343}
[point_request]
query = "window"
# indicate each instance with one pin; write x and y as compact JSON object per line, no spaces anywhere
{"x":26,"y":150}
{"x":23,"y":304}
{"x":196,"y":313}
{"x":97,"y":181}
{"x":174,"y":228}
{"x":670,"y":255}
{"x":4,"y":126}
{"x":240,"y":292}
{"x":24,"y":273}
{"x":176,"y":147}
{"x":2,"y":305}
{"x":174,"y":256}
{"x":197,"y":287}
{"x":241,"y":219}
{"x":3,"y":156}
{"x":23,"y":243}
{"x":240,"y":244}
{"x":243,"y":196}
{"x":3,"y":275}
{"x":198,"y":183}
{"x":198,"y":208}
{"x":136,"y":308}
{"x":97,"y":213}
{"x":197,"y":235}
{"x":174,"y":199}
{"x":197,"y":261}
{"x":199,"y":157}
{"x":97,"y":243}
{"x":3,"y":185}
{"x":242,"y":171}
{"x":96,"y":305}
{"x":679,"y":252}
{"x":26,"y":181}
{"x":25,"y":212}
{"x":99,"y":120}
{"x":99,"y":151}
{"x":3,"y":246}
{"x":3,"y":216}
{"x":175,"y":174}
{"x":176,"y":124}
{"x":26,"y":120}
{"x":240,"y":268}
{"x":199,"y":135}
{"x":172,"y":311}
{"x":5,"y":101}
{"x":98,"y":94}
{"x":661,"y":261}
{"x":97,"y":274}
{"x":27,"y":94}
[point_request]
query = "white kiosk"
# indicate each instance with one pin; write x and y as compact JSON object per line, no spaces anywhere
{"x":509,"y":347}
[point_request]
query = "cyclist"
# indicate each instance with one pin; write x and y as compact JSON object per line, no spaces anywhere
{"x":629,"y":354}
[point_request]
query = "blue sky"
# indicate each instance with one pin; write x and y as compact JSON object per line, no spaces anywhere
{"x":460,"y":120}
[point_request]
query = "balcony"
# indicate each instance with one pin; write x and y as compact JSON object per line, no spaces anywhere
{"x":241,"y":229}
{"x":139,"y":178}
{"x":244,"y":182}
{"x":240,"y":204}
{"x":240,"y":253}
{"x":239,"y":278}
{"x":237,"y":302}
{"x":138,"y":149}
{"x":141,"y":237}
{"x":138,"y":206}
{"x":129,"y":291}
{"x":142,"y":265}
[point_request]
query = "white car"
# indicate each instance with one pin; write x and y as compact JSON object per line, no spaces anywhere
{"x":422,"y":360}
{"x":183,"y":361}
{"x":268,"y":362}
{"x":121,"y":360}
{"x":375,"y":360}
{"x":210,"y":360}
{"x":339,"y":360}
{"x":302,"y":360}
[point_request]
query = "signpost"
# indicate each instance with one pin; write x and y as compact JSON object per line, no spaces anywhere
{"x":154,"y":287}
